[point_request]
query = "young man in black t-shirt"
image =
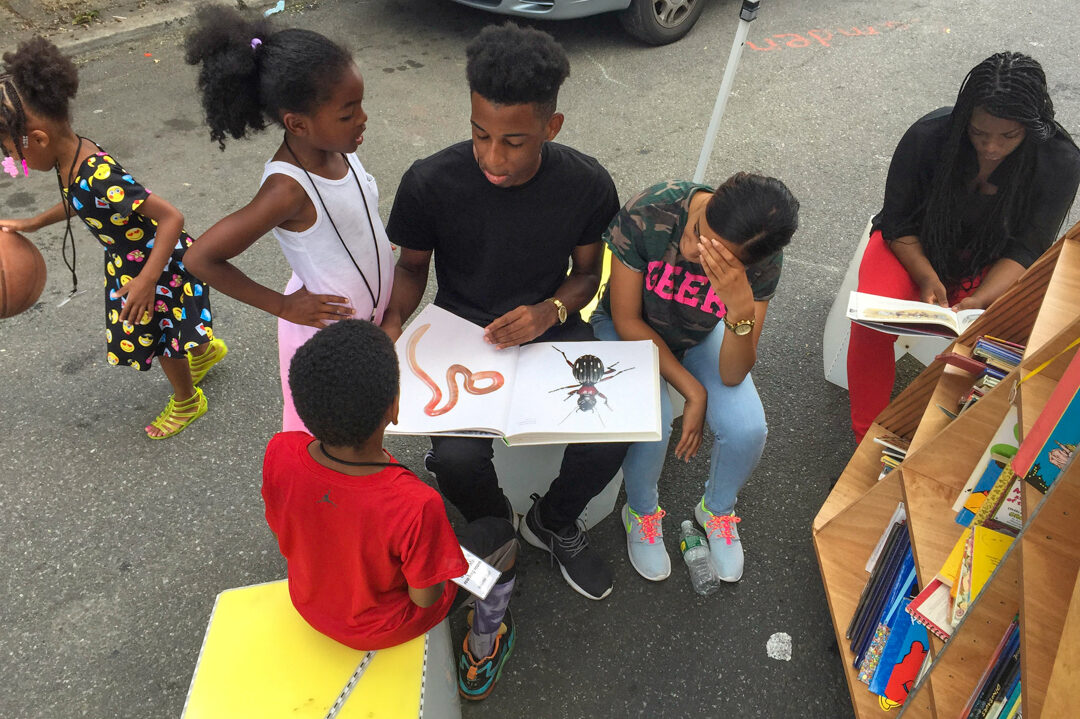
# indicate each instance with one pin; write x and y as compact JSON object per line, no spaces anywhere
{"x":504,"y":215}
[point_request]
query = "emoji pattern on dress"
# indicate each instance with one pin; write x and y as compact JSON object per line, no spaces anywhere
{"x":106,"y":198}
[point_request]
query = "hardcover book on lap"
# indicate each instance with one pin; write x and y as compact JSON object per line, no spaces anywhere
{"x":454,"y":383}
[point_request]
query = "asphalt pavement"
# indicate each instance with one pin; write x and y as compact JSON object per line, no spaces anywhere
{"x":114,"y":547}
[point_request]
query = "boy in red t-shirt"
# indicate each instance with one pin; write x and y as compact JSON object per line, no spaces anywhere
{"x":369,"y":548}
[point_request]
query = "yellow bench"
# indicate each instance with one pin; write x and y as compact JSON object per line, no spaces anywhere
{"x":261,"y":660}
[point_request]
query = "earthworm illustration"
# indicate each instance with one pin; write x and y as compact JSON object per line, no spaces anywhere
{"x":470,"y":378}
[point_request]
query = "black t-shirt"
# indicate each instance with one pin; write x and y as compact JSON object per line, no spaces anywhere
{"x":498,"y":248}
{"x":911,"y":175}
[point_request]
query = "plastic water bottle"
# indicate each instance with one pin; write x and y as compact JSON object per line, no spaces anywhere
{"x":695,"y":552}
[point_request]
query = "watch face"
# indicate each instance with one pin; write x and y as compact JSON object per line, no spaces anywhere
{"x":562,"y":314}
{"x":743,"y":328}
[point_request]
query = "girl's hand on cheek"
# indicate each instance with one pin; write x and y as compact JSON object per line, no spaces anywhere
{"x":727,"y":275}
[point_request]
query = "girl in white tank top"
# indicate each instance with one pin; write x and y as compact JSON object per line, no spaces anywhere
{"x":314,"y":196}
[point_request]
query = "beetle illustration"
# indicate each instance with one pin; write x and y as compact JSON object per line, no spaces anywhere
{"x":589,"y":371}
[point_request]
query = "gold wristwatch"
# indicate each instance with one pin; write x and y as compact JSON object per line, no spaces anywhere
{"x":560,"y":309}
{"x":742,"y":327}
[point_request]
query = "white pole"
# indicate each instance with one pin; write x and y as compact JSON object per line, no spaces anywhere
{"x":747,"y":14}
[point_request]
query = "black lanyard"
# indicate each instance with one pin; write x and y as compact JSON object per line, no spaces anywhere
{"x":376,"y":297}
{"x":68,"y":234}
{"x":347,"y":463}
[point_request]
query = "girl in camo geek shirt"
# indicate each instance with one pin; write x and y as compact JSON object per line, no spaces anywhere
{"x":695,"y":270}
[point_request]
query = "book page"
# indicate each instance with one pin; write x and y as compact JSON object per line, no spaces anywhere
{"x":966,"y":318}
{"x":452,"y":381}
{"x":886,"y":310}
{"x":586,"y":392}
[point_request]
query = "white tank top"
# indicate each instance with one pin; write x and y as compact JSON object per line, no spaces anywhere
{"x":316,"y":255}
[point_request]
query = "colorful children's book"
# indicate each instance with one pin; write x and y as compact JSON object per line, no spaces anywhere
{"x":962,"y":588}
{"x":899,"y":594}
{"x":1054,"y":436}
{"x":1008,"y":516}
{"x":995,"y":496}
{"x":904,"y":656}
{"x":932,"y":608}
{"x":454,"y":383}
{"x":1002,"y":448}
{"x":988,"y":548}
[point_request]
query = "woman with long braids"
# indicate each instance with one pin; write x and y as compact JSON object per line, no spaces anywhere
{"x":975,"y":194}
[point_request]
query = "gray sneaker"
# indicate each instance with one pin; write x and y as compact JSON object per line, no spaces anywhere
{"x":645,"y":543}
{"x":725,"y":547}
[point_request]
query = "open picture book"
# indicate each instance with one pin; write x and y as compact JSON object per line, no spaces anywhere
{"x":454,"y":383}
{"x":905,"y":317}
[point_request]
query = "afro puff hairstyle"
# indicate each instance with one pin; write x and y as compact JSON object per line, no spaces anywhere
{"x":511,"y":65}
{"x":251,"y":73}
{"x":343,"y":380}
{"x":40,"y":76}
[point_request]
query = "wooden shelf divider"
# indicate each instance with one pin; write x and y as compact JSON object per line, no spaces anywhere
{"x":1039,"y":576}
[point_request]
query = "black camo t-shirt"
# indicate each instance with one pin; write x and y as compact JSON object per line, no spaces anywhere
{"x":678,"y":301}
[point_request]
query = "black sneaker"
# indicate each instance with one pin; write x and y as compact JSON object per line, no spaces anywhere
{"x":476,"y":678}
{"x":584,"y":570}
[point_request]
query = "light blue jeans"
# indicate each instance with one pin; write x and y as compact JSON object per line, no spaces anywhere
{"x":734,"y":415}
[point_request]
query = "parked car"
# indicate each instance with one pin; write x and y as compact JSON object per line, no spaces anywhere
{"x":657,"y":22}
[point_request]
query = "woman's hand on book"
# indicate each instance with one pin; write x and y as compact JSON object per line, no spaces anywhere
{"x":932,"y":290}
{"x":693,"y":425}
{"x":303,"y":308}
{"x":971,"y":302}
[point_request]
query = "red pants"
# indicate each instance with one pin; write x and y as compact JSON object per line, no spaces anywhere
{"x":871,"y":360}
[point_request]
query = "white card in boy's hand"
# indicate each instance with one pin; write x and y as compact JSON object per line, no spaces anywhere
{"x":480,"y":578}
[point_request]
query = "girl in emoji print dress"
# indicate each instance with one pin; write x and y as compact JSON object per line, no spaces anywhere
{"x":153,"y":306}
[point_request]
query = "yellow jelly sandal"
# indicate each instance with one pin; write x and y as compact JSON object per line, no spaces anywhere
{"x":178,"y":415}
{"x":201,"y":364}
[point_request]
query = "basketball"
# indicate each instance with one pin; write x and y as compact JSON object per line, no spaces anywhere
{"x":22,"y":274}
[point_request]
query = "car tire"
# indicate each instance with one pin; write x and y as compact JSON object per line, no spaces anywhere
{"x":659,"y":22}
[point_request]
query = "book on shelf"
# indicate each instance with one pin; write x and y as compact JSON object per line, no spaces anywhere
{"x":893,"y":556}
{"x":899,"y":515}
{"x":907,"y":317}
{"x":983,"y":551}
{"x":902,"y":661}
{"x":893,"y":451}
{"x":932,"y":607}
{"x":1000,"y":355}
{"x":998,"y":453}
{"x":895,"y":535}
{"x":1050,"y":444}
{"x":1000,"y":680}
{"x":542,"y":393}
{"x":946,"y":598}
{"x":898,"y":597}
{"x":889,"y":649}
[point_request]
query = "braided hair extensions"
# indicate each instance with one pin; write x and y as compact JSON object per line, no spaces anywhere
{"x":1007,"y":85}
